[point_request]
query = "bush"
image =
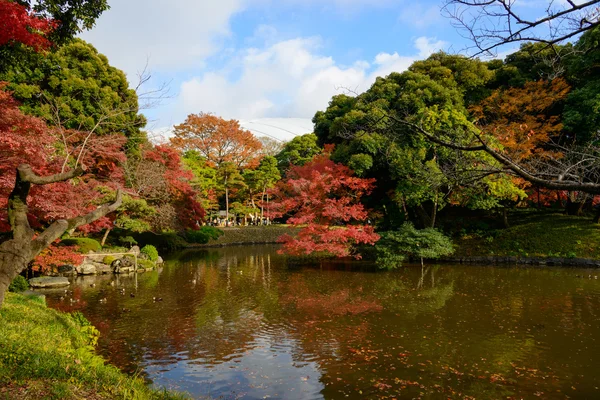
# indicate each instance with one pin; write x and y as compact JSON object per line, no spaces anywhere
{"x":165,"y":241}
{"x":203,"y":235}
{"x":428,"y":243}
{"x":19,"y":284}
{"x":108,"y":260}
{"x":84,"y":244}
{"x":150,"y":251}
{"x":127,"y":240}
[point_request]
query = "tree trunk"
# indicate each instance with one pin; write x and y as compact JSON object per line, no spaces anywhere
{"x":505,"y":218}
{"x":22,"y":248}
{"x":262,"y":207}
{"x":14,"y":257}
{"x":105,"y":236}
{"x":226,"y":206}
{"x":573,"y":207}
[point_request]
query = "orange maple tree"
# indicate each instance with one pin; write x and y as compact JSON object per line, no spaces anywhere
{"x":218,"y":140}
{"x":523,"y":119}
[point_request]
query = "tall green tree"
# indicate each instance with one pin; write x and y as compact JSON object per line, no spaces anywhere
{"x":228,"y":176}
{"x":75,"y":88}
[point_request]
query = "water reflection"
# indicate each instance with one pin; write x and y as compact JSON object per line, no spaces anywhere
{"x":239,"y":322}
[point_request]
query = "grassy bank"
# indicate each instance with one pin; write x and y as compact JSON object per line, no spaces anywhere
{"x":46,"y":354}
{"x":535,"y":234}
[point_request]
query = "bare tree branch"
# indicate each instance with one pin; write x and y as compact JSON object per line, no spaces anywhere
{"x":489,"y":24}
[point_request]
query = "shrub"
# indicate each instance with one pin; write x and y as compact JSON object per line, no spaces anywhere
{"x":165,"y":241}
{"x":84,"y":244}
{"x":19,"y":284}
{"x":108,"y":260}
{"x":127,"y":240}
{"x":428,"y":243}
{"x":150,"y":251}
{"x":202,"y":235}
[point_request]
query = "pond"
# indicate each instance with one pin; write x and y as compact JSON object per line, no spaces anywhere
{"x":242,"y":322}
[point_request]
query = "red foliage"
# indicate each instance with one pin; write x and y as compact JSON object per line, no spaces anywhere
{"x":17,"y":25}
{"x":325,"y":196}
{"x":184,"y":198}
{"x":55,"y":256}
{"x":26,"y":139}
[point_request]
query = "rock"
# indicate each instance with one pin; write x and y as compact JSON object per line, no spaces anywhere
{"x":123,"y":265}
{"x":159,"y":261}
{"x":48,"y":282}
{"x":104,"y":269}
{"x":135,"y":250}
{"x":66,"y":270}
{"x":87,"y":269}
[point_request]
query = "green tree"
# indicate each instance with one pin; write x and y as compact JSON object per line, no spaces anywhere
{"x":75,"y":88}
{"x":395,"y":246}
{"x":228,"y":176}
{"x":298,"y":151}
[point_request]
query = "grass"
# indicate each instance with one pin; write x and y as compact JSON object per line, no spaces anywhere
{"x":46,"y":354}
{"x":536,"y":234}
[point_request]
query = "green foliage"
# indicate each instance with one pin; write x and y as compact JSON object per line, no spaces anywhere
{"x":150,"y":251}
{"x":19,"y":284}
{"x":85,"y":244}
{"x":127,"y":240}
{"x":76,"y":85}
{"x":60,"y":348}
{"x":298,"y":151}
{"x":203,"y":235}
{"x":163,"y":242}
{"x":427,"y":243}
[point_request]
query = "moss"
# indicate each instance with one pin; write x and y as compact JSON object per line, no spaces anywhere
{"x":108,"y":260}
{"x":85,"y":244}
{"x":146,"y":264}
{"x":59,"y":354}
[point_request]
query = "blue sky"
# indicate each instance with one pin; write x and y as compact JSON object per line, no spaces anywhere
{"x":265,"y":61}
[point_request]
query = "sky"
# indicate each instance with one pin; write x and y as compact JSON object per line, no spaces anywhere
{"x":269,"y":63}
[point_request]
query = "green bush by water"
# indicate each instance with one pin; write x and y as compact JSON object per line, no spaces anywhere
{"x":150,"y":251}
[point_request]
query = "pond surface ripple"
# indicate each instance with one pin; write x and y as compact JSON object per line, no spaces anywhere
{"x":241,"y":322}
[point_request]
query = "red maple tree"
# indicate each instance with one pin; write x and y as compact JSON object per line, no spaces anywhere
{"x":325,"y":197}
{"x":18,"y":25}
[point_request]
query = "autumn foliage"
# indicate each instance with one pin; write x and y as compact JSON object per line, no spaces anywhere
{"x":18,"y":25}
{"x":325,"y":197}
{"x":218,"y":140}
{"x":523,"y":119}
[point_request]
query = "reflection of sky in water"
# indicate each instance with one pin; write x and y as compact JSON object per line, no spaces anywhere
{"x":268,"y":365}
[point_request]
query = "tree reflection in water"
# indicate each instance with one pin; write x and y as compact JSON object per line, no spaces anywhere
{"x":243,"y":321}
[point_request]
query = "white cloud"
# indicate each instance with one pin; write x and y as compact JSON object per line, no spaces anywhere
{"x":288,"y":79}
{"x":173,"y":35}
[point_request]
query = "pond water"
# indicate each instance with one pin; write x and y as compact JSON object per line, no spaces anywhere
{"x":240,"y":322}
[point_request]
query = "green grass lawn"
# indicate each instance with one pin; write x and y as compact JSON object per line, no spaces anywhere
{"x":536,"y":234}
{"x":46,"y":354}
